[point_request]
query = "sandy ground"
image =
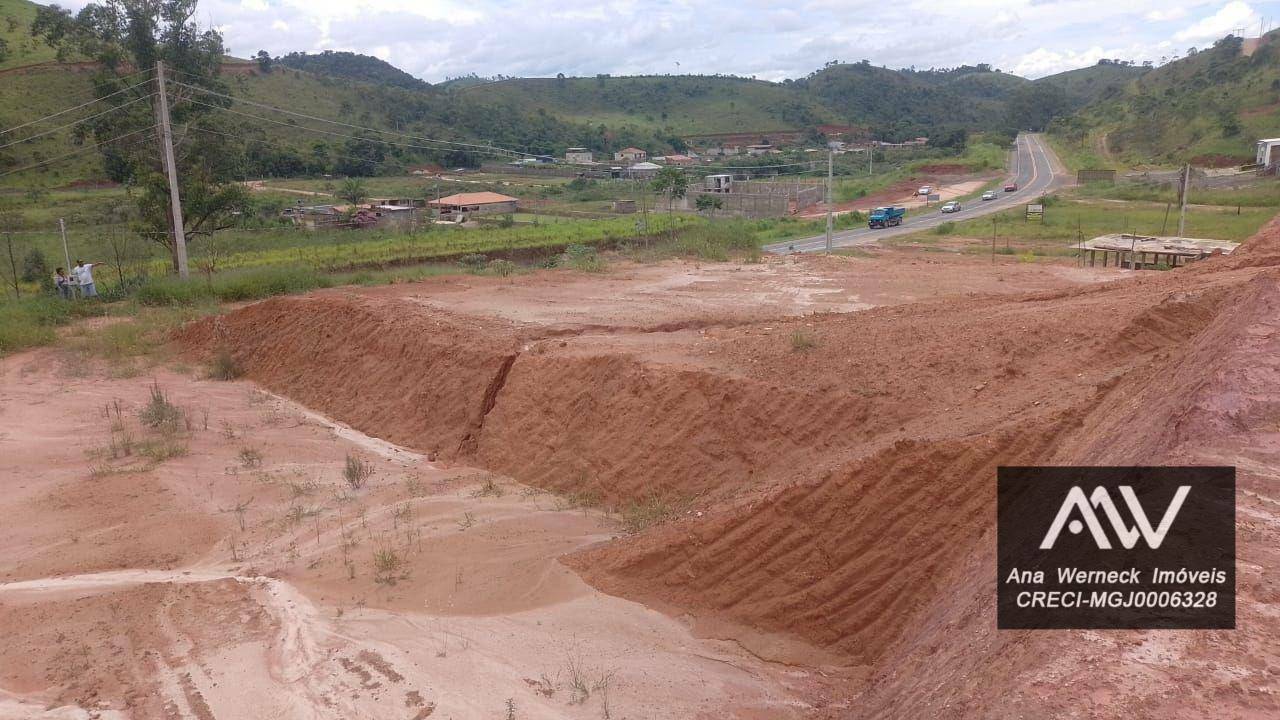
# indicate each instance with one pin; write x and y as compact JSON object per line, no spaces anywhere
{"x":128,"y":590}
{"x":679,"y":293}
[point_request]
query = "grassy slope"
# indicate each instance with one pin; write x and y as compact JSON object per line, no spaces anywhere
{"x":1186,"y":109}
{"x":685,"y":104}
{"x":1094,"y":83}
{"x":23,"y":49}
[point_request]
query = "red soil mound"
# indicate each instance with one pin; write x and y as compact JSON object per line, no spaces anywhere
{"x":381,"y":366}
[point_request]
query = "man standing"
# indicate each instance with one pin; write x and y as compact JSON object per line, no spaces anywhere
{"x":83,"y":272}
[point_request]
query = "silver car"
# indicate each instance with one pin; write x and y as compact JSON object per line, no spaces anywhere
{"x":989,"y":195}
{"x":951,"y":207}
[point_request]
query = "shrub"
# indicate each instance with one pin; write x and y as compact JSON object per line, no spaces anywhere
{"x":647,"y":512}
{"x":223,"y":366}
{"x":233,"y":286}
{"x":583,"y":258}
{"x":802,"y":340}
{"x":945,"y":228}
{"x":502,"y":268}
{"x":357,"y":472}
{"x":161,"y":414}
{"x":473,"y":263}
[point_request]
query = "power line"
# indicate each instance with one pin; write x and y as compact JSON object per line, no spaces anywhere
{"x":471,"y":146}
{"x":77,"y":122}
{"x":72,"y":109}
{"x":281,"y":146}
{"x":74,"y":152}
{"x":317,"y":130}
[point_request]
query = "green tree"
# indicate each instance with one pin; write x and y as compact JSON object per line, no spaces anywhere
{"x":1034,"y":105}
{"x":127,"y":37}
{"x":707,"y":202}
{"x":264,"y":61}
{"x":672,"y":183}
{"x":353,"y":191}
{"x":34,"y":267}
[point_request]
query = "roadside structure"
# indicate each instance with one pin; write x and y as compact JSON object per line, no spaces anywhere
{"x":477,"y":203}
{"x":1146,"y":251}
{"x":578,"y":156}
{"x":1269,"y":154}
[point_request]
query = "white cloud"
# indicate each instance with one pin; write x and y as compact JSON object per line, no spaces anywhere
{"x":435,"y":39}
{"x":1174,"y":13}
{"x":1230,"y":18}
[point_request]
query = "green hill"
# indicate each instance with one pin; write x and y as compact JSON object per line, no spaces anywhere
{"x":1207,"y":108}
{"x":353,"y":66}
{"x":17,"y":47}
{"x":1097,"y":82}
{"x":680,"y":104}
{"x":290,"y":145}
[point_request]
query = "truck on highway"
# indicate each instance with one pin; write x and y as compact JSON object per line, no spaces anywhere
{"x":883,"y":217}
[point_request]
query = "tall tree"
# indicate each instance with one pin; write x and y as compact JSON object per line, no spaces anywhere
{"x":126,"y":38}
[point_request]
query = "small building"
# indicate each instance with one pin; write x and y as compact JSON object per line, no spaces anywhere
{"x":718,"y":183}
{"x":476,"y":203}
{"x":578,"y":156}
{"x":677,"y":159}
{"x":721,"y":151}
{"x":642,"y":170}
{"x":1268,"y":154}
{"x":631,"y":155}
{"x":759,"y":149}
{"x":394,"y":217}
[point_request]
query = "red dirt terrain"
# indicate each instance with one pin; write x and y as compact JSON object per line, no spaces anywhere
{"x":834,"y":473}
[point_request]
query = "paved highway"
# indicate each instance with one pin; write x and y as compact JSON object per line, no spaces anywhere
{"x":1033,"y":173}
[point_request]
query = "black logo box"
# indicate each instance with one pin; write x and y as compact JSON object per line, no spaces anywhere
{"x":1200,"y":538}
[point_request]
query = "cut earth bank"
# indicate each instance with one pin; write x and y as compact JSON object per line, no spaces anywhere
{"x":836,"y":470}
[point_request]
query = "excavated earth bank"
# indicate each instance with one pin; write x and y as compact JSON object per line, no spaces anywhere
{"x":839,"y":501}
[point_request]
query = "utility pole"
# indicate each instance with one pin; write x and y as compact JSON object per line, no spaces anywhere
{"x":171,"y":170}
{"x":830,"y":155}
{"x":1182,"y":214}
{"x":66,"y":255}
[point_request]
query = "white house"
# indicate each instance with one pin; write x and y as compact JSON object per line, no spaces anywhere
{"x":1267,"y":155}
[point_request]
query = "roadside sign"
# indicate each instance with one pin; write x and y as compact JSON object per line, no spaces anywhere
{"x":1035,"y":211}
{"x":933,"y":197}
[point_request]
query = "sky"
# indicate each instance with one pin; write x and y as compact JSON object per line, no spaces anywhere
{"x":771,"y":40}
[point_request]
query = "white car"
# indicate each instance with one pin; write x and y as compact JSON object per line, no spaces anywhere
{"x":925,"y":190}
{"x":951,"y":207}
{"x":989,"y":195}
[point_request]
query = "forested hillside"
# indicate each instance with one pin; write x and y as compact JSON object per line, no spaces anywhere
{"x":1209,"y":107}
{"x":352,"y":66}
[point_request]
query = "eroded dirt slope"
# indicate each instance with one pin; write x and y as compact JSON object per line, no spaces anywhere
{"x":837,"y":469}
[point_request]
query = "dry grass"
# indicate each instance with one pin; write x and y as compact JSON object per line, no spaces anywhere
{"x":357,"y":472}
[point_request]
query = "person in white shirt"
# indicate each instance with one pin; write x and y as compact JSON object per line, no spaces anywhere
{"x":83,"y":272}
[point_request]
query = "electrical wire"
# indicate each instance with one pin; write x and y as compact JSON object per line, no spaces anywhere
{"x":72,"y":109}
{"x":453,"y":143}
{"x":74,"y":152}
{"x":77,"y":122}
{"x":317,"y":130}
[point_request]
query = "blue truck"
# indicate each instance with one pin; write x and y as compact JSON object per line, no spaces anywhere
{"x":883,"y":217}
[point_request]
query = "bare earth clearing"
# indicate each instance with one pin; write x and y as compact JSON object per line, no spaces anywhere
{"x":797,"y":456}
